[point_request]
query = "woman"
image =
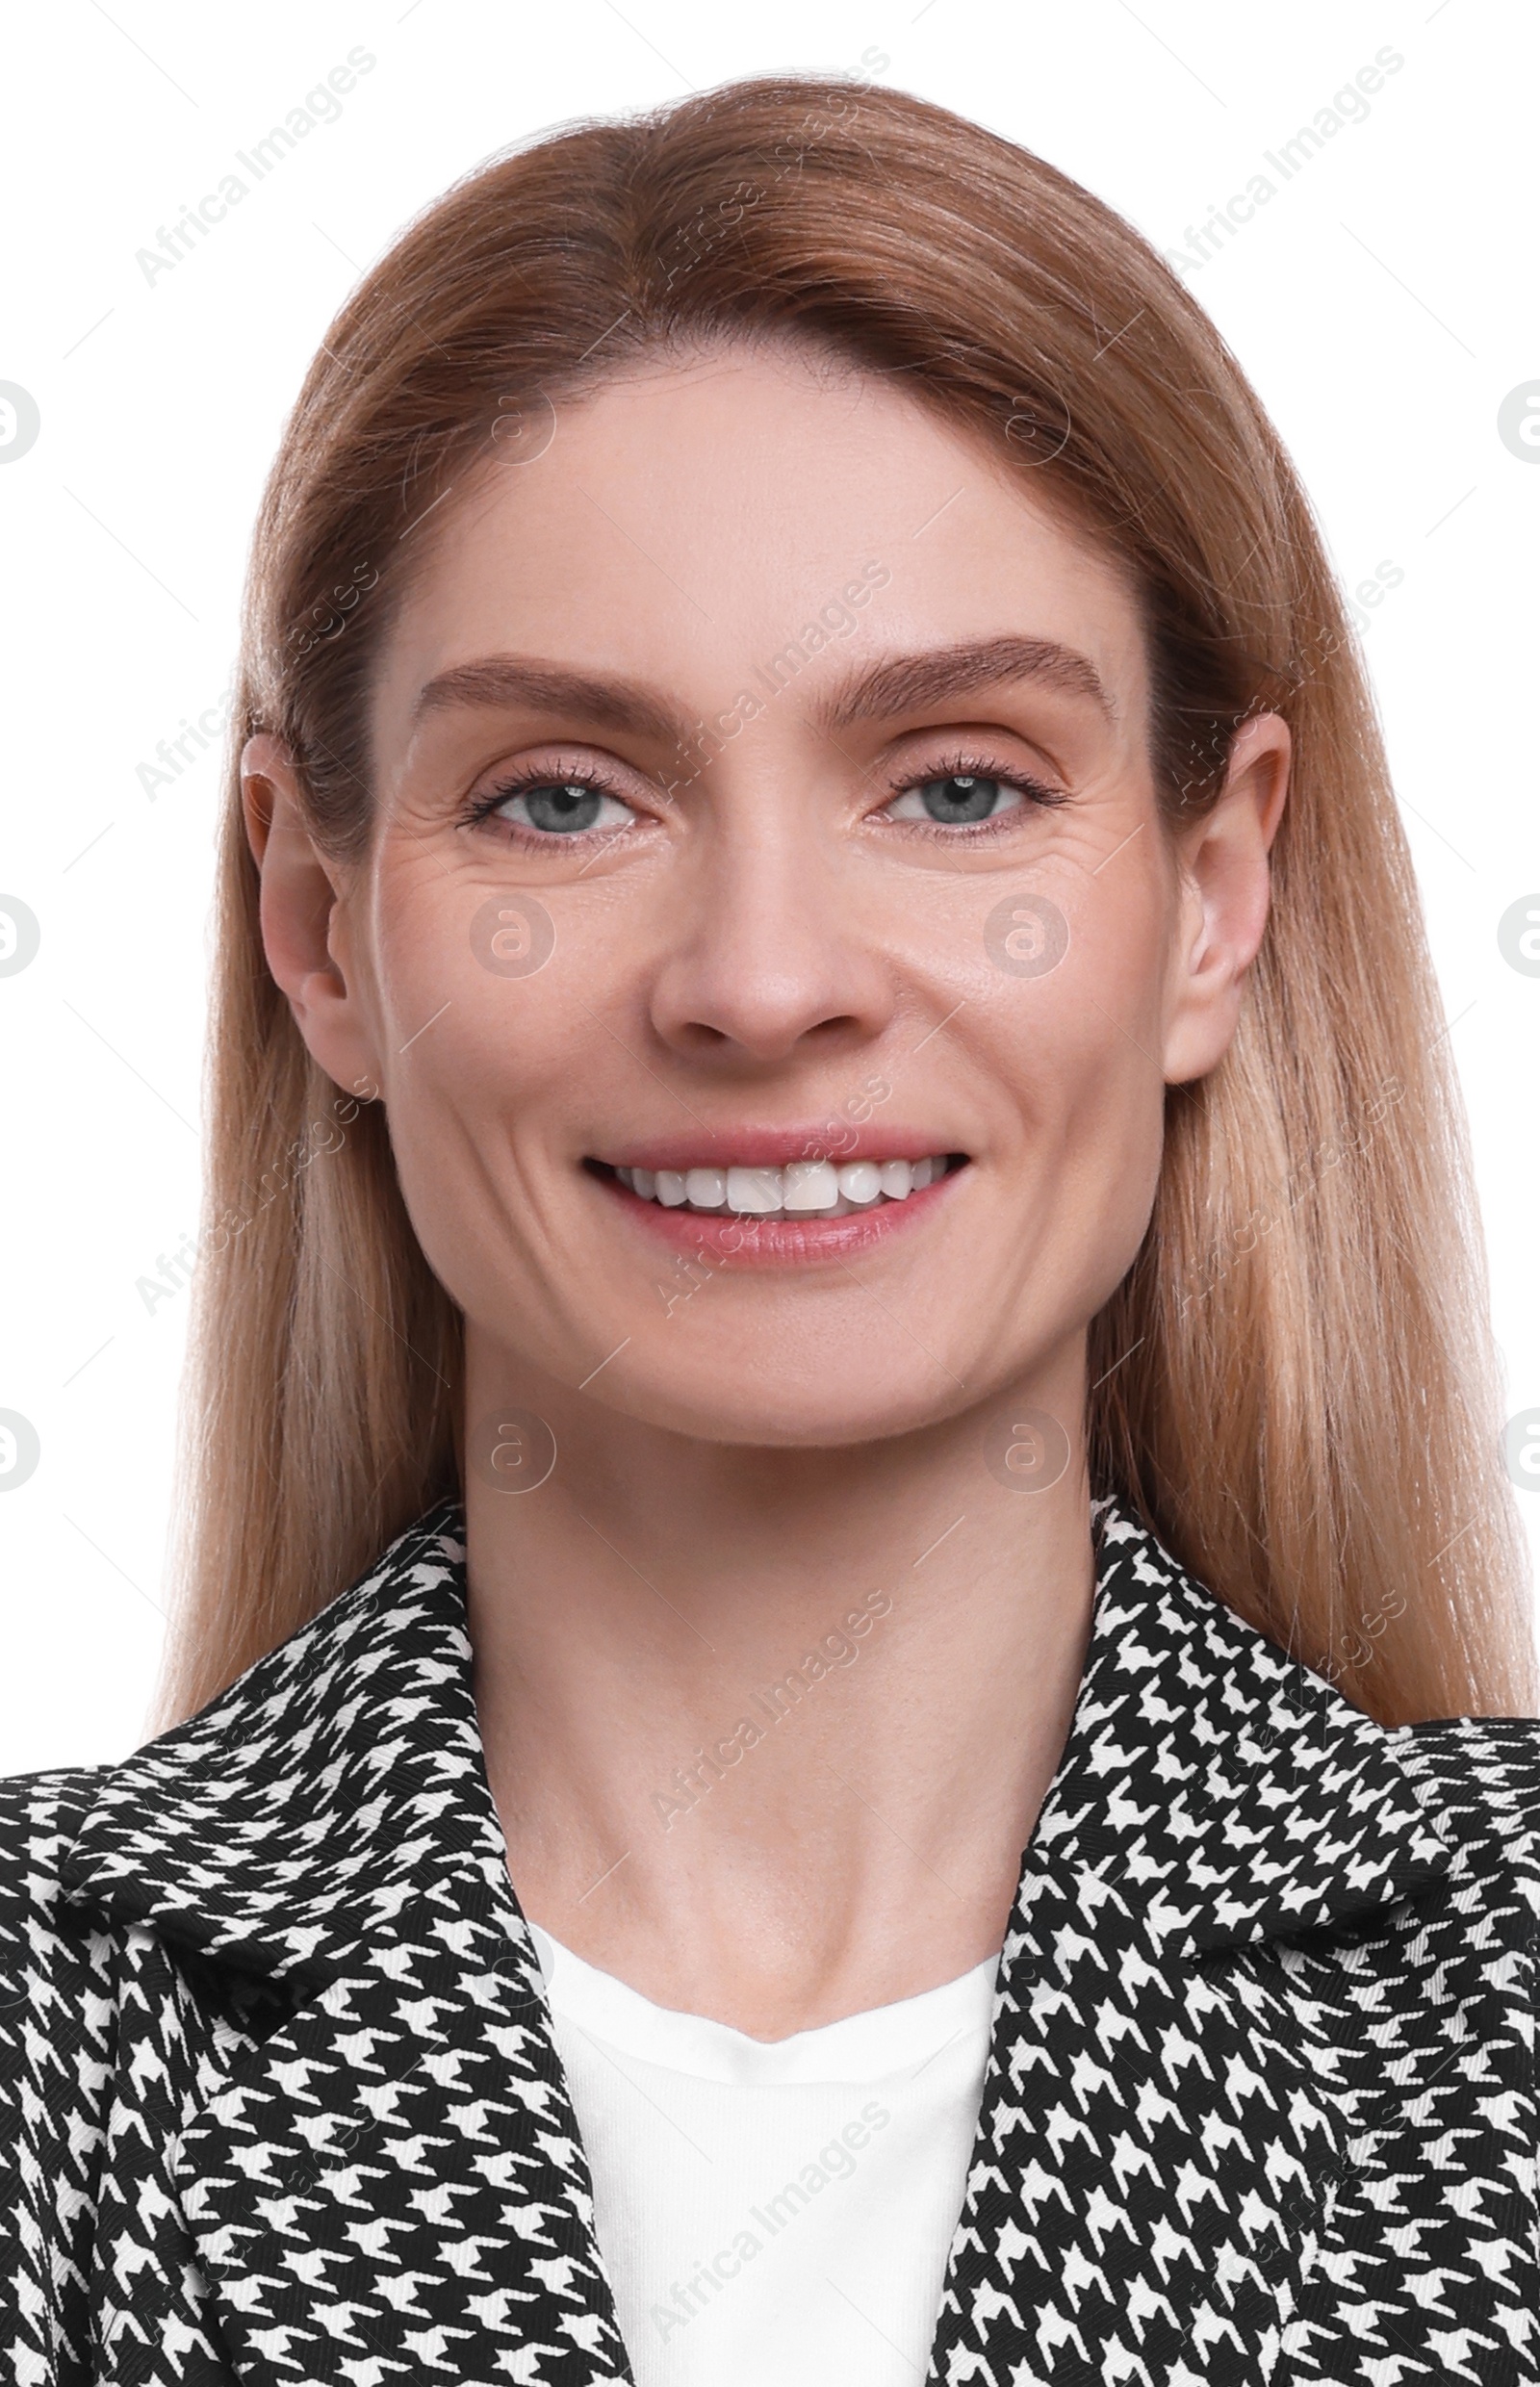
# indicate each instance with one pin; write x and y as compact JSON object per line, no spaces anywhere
{"x":831,"y":1129}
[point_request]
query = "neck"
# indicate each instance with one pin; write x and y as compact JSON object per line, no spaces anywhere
{"x":768,"y":1729}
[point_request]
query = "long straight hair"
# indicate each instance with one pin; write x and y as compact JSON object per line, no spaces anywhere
{"x":1295,"y":1385}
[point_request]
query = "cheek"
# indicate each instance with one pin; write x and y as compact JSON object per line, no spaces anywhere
{"x":482,"y":1034}
{"x":1074,"y":1039}
{"x":1073,"y":995}
{"x":473,"y":985}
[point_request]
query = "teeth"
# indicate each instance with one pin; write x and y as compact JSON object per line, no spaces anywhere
{"x":706,"y":1188}
{"x":756,"y":1189}
{"x":803,"y":1190}
{"x":810,"y":1185}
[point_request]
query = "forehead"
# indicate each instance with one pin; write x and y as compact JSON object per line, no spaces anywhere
{"x":686,"y":520}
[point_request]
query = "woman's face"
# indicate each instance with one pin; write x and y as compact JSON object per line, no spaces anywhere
{"x":764,"y":808}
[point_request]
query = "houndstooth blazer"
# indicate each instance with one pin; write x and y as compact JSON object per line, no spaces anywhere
{"x":282,"y":2104}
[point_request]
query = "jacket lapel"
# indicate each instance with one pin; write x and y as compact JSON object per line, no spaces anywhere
{"x":387,"y":2180}
{"x":1171,"y":2119}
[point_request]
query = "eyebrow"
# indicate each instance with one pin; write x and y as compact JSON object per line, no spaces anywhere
{"x":904,"y":683}
{"x":895,"y":684}
{"x":551,"y":688}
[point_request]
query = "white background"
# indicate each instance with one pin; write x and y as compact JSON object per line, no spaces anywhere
{"x":1382,"y":303}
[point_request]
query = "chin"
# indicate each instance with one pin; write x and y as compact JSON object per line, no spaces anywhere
{"x":776,"y":1410}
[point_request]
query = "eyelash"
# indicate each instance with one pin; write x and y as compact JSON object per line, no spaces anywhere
{"x":960,"y":765}
{"x":523,"y":778}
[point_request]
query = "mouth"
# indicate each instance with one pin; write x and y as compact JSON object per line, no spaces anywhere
{"x":802,"y":1190}
{"x":755,"y":1210}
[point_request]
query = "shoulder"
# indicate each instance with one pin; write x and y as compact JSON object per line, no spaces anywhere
{"x":1490,"y":1764}
{"x":1478,"y":1778}
{"x":201,"y":1836}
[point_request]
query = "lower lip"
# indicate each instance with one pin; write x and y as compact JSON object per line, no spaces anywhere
{"x":737,"y":1238}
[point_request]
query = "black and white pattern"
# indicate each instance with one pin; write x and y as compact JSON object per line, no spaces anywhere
{"x":281,"y":2101}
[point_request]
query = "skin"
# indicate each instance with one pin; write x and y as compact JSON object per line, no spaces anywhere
{"x":763,"y":939}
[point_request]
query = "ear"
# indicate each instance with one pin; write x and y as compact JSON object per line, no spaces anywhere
{"x":1223,"y":862}
{"x":307,"y":929}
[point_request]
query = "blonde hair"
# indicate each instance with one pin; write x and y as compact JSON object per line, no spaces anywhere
{"x":1294,"y":1384}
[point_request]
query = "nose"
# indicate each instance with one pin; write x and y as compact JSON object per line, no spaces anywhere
{"x":772,"y":953}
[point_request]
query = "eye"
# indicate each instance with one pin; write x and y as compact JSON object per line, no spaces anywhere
{"x":958,"y":799}
{"x":556,"y":807}
{"x":967,"y":796}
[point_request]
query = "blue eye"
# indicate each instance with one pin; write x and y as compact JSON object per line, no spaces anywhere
{"x":959,"y":799}
{"x":560,"y":807}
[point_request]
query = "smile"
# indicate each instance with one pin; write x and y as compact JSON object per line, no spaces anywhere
{"x":752,"y":1200}
{"x":801,"y":1190}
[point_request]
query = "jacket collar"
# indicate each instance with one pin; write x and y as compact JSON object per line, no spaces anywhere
{"x":335,"y":1796}
{"x":1212,"y":1786}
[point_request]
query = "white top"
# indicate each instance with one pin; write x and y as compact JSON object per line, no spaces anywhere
{"x":773,"y":2214}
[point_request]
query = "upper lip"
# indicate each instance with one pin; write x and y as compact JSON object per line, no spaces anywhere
{"x":777,"y":1147}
